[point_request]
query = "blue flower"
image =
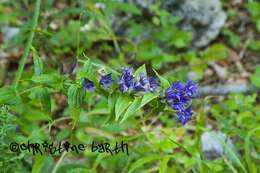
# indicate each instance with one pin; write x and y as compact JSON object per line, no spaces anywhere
{"x":179,"y":97}
{"x":184,"y":114}
{"x":126,"y":81}
{"x":154,"y":84}
{"x":142,"y":84}
{"x":88,"y":84}
{"x":106,"y":80}
{"x":191,"y":88}
{"x":174,"y":95}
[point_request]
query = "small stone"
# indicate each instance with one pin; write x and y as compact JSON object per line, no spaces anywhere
{"x":100,"y":5}
{"x":54,"y":25}
{"x":221,"y":71}
{"x":212,"y":144}
{"x":208,"y":72}
{"x":9,"y":33}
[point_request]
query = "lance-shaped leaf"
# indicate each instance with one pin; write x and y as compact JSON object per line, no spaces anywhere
{"x":38,"y":64}
{"x":133,"y":108}
{"x":163,"y":165}
{"x":47,"y":79}
{"x":137,"y":104}
{"x":75,"y":99}
{"x":140,"y":162}
{"x":45,"y":99}
{"x":88,"y":68}
{"x":140,"y":70}
{"x":122,"y":104}
{"x":164,"y":82}
{"x":42,"y":164}
{"x":8,"y":96}
{"x":111,"y":106}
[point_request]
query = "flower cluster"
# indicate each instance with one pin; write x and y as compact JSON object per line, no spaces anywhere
{"x":179,"y":97}
{"x":126,"y":81}
{"x":106,"y":80}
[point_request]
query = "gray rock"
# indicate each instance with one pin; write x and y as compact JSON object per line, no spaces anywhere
{"x":8,"y":32}
{"x":142,"y":3}
{"x":3,"y":55}
{"x":203,"y":18}
{"x":215,"y":144}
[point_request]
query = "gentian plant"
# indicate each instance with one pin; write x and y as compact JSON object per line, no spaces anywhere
{"x":132,"y":90}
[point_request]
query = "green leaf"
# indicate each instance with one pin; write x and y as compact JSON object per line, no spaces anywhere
{"x":79,"y":170}
{"x":75,"y":99}
{"x":181,"y":39}
{"x":122,"y":104}
{"x":141,"y":69}
{"x":137,"y":104}
{"x":63,"y":134}
{"x":74,"y":168}
{"x":45,"y":99}
{"x":99,"y":111}
{"x":38,"y":64}
{"x":88,"y":68}
{"x":122,"y":6}
{"x":251,"y":164}
{"x":255,"y":79}
{"x":38,"y":164}
{"x":254,"y":45}
{"x":230,"y":165}
{"x":147,"y":98}
{"x":111,"y":107}
{"x":133,"y":108}
{"x":230,"y":152}
{"x":142,"y":161}
{"x":234,"y":39}
{"x":42,"y":164}
{"x":8,"y":95}
{"x":112,"y":102}
{"x":163,"y":166}
{"x":254,"y":8}
{"x":129,"y":8}
{"x":215,"y":52}
{"x":47,"y":79}
{"x":164,"y":82}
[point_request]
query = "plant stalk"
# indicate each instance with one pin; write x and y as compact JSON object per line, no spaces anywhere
{"x":28,"y":44}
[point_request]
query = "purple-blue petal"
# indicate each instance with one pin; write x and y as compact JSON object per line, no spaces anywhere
{"x":88,"y":84}
{"x":106,"y":80}
{"x":126,"y":81}
{"x":154,"y":84}
{"x":179,"y":97}
{"x":142,"y":84}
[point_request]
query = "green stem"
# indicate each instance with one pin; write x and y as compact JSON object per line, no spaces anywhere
{"x":56,"y":167}
{"x":178,"y":144}
{"x":110,"y":32}
{"x":78,"y":35}
{"x":28,"y":44}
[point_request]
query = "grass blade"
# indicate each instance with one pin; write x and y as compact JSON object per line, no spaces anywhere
{"x":28,"y":44}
